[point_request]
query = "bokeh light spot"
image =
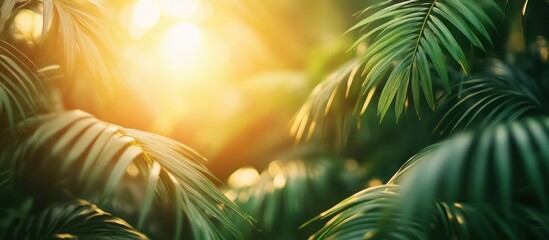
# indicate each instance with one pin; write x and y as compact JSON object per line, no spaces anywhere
{"x":28,"y":26}
{"x":146,"y":13}
{"x":243,"y":177}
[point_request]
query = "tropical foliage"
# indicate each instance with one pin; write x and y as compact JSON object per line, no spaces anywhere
{"x":434,"y":126}
{"x":486,"y":179}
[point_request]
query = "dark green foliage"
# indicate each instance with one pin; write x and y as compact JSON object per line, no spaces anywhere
{"x":72,"y":221}
{"x":501,"y":166}
{"x":375,"y":213}
{"x":370,"y":213}
{"x":20,"y":86}
{"x":493,"y":183}
{"x":489,"y":182}
{"x":499,"y":93}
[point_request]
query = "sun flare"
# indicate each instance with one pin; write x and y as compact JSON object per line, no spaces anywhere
{"x":182,"y":43}
{"x":146,"y":13}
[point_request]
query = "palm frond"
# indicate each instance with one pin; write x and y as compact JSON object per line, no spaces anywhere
{"x":406,"y":37}
{"x":20,"y":86}
{"x":502,"y":166}
{"x":320,"y":110}
{"x":369,"y":214}
{"x":498,"y":94}
{"x":464,"y":221}
{"x":375,"y":213}
{"x":288,"y":192}
{"x":72,"y":221}
{"x":491,"y":184}
{"x":77,"y":27}
{"x":93,"y":158}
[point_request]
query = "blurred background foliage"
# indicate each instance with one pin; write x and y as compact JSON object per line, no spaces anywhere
{"x":253,"y":62}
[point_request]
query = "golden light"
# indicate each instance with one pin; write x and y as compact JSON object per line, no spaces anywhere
{"x":181,"y":42}
{"x":28,"y":26}
{"x":146,"y":13}
{"x":231,"y":195}
{"x":181,"y":8}
{"x":132,"y":170}
{"x":181,"y":48}
{"x":374,"y":182}
{"x":279,"y":181}
{"x":243,"y":177}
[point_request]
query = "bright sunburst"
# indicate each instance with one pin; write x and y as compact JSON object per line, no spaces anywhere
{"x":182,"y":43}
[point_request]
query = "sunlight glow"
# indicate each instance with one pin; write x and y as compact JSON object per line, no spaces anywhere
{"x":181,"y":52}
{"x":182,"y":43}
{"x":279,"y":181}
{"x":231,"y":195}
{"x":374,"y":182}
{"x":146,"y":13}
{"x":28,"y":26}
{"x":243,"y":177}
{"x":132,"y":170}
{"x":180,"y":8}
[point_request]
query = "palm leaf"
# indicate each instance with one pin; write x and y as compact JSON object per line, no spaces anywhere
{"x":93,"y":158}
{"x":463,"y":221}
{"x":406,"y":37}
{"x":20,"y":86}
{"x":285,"y":195}
{"x":72,"y":221}
{"x":77,"y":27}
{"x":498,"y":94}
{"x":375,"y":213}
{"x":502,"y":166}
{"x":322,"y":108}
{"x":369,"y":214}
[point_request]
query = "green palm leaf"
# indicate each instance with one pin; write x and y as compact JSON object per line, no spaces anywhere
{"x":20,"y":86}
{"x":498,"y":94}
{"x":491,"y":184}
{"x":72,"y":221}
{"x":77,"y":27}
{"x":369,"y":214}
{"x":463,"y":221}
{"x":501,"y":166}
{"x":406,"y":37}
{"x":320,"y":111}
{"x":93,"y":158}
{"x":375,"y":213}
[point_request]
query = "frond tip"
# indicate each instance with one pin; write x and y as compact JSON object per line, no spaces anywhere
{"x":321,"y":109}
{"x":406,"y":37}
